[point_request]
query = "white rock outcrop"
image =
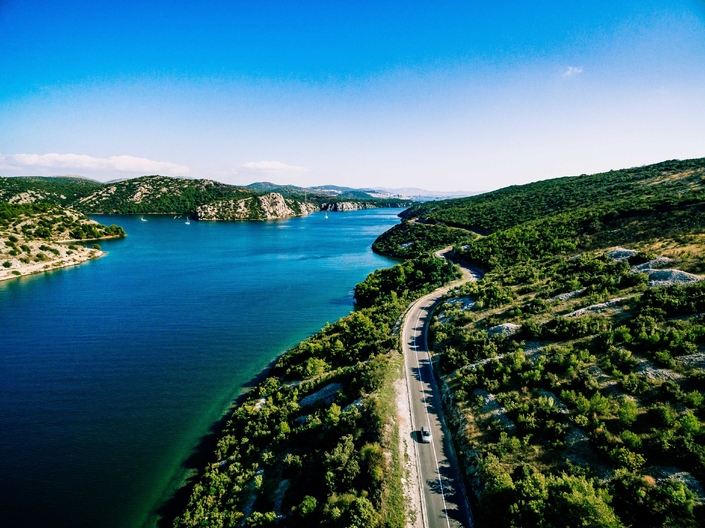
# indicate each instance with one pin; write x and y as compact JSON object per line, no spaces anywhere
{"x":266,"y":207}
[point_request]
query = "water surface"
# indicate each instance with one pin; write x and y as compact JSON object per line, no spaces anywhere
{"x":111,"y":371}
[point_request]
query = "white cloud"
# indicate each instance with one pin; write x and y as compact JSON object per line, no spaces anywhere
{"x":272,"y":166}
{"x":82,"y":162}
{"x":573,"y":70}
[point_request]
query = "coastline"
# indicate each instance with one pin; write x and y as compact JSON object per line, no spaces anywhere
{"x":62,"y":261}
{"x":176,"y":497}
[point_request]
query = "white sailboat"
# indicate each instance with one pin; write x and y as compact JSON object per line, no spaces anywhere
{"x":142,"y":218}
{"x":187,"y":222}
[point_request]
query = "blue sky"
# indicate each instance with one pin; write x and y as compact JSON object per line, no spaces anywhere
{"x":438,"y":95}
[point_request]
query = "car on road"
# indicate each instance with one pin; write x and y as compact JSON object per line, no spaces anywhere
{"x":425,"y":435}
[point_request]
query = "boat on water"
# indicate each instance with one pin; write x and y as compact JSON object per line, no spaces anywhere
{"x":143,"y":219}
{"x":326,"y":217}
{"x":187,"y":222}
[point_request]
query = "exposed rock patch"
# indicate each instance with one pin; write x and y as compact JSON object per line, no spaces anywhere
{"x":506,"y":329}
{"x":266,"y":207}
{"x":670,"y":277}
{"x":596,"y":308}
{"x":492,"y":407}
{"x":567,"y":296}
{"x":327,"y":394}
{"x":620,"y":253}
{"x":657,"y":263}
{"x":694,"y":360}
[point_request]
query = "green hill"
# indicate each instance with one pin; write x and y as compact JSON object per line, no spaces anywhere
{"x":574,"y":371}
{"x":563,"y":214}
{"x":166,"y":195}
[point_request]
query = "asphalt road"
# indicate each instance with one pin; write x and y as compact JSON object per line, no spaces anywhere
{"x":443,"y":498}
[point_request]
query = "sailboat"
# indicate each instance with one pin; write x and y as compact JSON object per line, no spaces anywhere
{"x":187,"y":222}
{"x":326,"y":217}
{"x":142,"y":218}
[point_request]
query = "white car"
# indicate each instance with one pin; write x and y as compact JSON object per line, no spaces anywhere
{"x":425,"y":435}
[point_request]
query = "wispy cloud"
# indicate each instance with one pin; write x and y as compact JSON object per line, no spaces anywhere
{"x":272,"y":166}
{"x":83,"y":162}
{"x":573,"y":70}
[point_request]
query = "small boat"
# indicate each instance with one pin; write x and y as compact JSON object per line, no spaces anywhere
{"x":187,"y":222}
{"x":326,"y":217}
{"x":142,"y":218}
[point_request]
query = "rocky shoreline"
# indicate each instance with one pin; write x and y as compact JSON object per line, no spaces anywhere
{"x":273,"y":206}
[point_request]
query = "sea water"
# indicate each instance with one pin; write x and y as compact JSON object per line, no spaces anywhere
{"x":112,"y":371}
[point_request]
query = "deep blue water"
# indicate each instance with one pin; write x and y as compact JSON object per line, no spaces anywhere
{"x":111,"y":372}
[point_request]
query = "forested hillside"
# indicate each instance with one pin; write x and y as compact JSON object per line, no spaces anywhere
{"x":166,"y":195}
{"x":574,"y":372}
{"x":578,"y":212}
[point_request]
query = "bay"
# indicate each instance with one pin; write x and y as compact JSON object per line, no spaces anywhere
{"x":111,"y":372}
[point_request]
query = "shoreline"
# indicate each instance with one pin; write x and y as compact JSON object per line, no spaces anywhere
{"x":193,"y":466}
{"x":36,"y":269}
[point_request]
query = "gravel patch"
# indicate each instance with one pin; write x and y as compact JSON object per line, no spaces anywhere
{"x":658,"y":262}
{"x":648,"y":370}
{"x":620,"y":253}
{"x":567,"y":296}
{"x":407,"y":453}
{"x":492,"y":407}
{"x":670,"y":277}
{"x":673,"y":473}
{"x":694,"y":360}
{"x":597,"y":308}
{"x":506,"y":329}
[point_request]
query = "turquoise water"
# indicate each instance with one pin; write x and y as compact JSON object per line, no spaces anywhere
{"x":111,"y":372}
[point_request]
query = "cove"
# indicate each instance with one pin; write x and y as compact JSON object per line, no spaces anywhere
{"x":111,"y":372}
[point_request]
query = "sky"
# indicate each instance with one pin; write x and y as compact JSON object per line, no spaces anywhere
{"x":442,"y":96}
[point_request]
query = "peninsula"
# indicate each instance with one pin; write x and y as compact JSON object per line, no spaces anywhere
{"x":37,"y":237}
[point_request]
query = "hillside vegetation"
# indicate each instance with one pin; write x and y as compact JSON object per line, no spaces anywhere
{"x":40,"y":237}
{"x":166,"y":195}
{"x":565,"y":214}
{"x":315,"y":443}
{"x":573,"y":373}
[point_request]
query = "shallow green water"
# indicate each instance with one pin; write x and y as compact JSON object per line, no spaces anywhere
{"x":111,"y":372}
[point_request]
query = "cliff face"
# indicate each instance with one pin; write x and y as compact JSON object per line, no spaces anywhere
{"x":266,"y":207}
{"x":355,"y":206}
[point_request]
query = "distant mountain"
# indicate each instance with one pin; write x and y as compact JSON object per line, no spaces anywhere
{"x":417,"y":194}
{"x":323,"y":191}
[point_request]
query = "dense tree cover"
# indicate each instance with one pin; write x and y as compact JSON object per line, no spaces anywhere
{"x":409,"y":279}
{"x":625,"y":222}
{"x":289,"y":458}
{"x":410,"y":239}
{"x":519,"y":204}
{"x":61,"y":191}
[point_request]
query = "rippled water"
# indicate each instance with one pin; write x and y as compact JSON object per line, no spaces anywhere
{"x":111,"y":372}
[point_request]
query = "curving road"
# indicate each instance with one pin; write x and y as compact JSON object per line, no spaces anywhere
{"x":443,"y":498}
